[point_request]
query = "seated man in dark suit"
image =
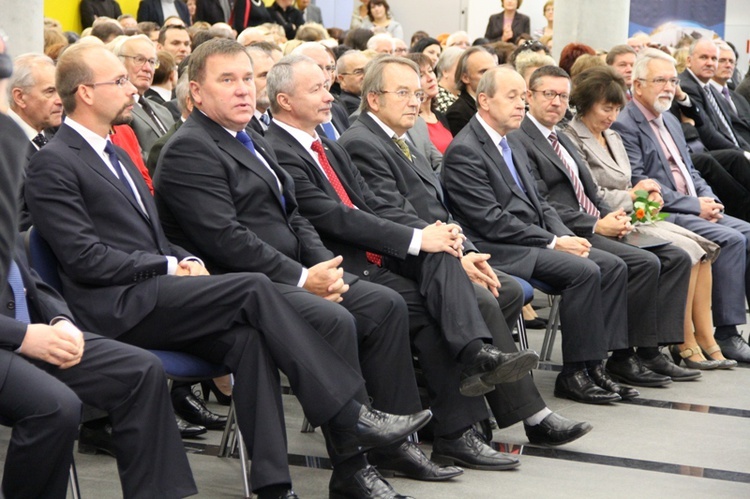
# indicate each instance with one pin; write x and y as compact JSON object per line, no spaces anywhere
{"x":472,"y":64}
{"x":263,"y":57}
{"x":121,"y":276}
{"x":494,"y":197}
{"x":657,"y":278}
{"x":353,"y":220}
{"x":350,"y":71}
{"x":185,"y":105}
{"x":91,"y":9}
{"x":656,"y":148}
{"x":235,"y":207}
{"x":154,"y":11}
{"x":739,"y":106}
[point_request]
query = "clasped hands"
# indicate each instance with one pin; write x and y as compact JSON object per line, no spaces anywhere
{"x":60,"y":344}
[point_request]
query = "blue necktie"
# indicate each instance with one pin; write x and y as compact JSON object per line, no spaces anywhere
{"x":19,"y":295}
{"x":508,"y":158}
{"x":247,"y":141}
{"x":112,"y":153}
{"x":329,"y":130}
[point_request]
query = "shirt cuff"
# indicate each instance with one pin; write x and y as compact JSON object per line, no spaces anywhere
{"x":685,"y":103}
{"x":415,"y":245}
{"x":552,"y":244}
{"x":302,"y":278}
{"x":171,"y":265}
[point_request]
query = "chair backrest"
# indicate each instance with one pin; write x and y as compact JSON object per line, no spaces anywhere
{"x":42,"y":259}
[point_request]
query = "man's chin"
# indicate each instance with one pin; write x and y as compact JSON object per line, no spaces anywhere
{"x":122,"y":119}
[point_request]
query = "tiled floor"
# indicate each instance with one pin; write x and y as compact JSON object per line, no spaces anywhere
{"x":689,"y":440}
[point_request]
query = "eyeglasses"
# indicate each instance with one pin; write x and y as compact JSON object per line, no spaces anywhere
{"x":660,"y":82}
{"x":406,"y":95}
{"x":330,"y":69}
{"x":551,"y":94}
{"x":356,"y":72}
{"x":140,"y":61}
{"x":120,"y":82}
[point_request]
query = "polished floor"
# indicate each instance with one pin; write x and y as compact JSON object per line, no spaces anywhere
{"x":688,"y":440}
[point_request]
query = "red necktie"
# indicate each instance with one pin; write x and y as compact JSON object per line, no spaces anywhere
{"x":317,"y":146}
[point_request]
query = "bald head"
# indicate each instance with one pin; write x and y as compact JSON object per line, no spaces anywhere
{"x":501,"y":99}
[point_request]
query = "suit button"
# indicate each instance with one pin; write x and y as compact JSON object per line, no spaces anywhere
{"x":366,"y":272}
{"x":11,"y":305}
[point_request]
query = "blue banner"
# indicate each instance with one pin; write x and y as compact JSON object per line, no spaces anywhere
{"x":687,"y":16}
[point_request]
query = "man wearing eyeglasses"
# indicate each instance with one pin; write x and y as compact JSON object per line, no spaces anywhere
{"x":657,"y":149}
{"x":654,"y":315}
{"x":351,"y":71}
{"x":150,"y":119}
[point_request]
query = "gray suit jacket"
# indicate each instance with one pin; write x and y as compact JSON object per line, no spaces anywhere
{"x":312,"y":14}
{"x":493,"y":210}
{"x":612,"y":174}
{"x":420,"y":136}
{"x":647,"y":159}
{"x":146,"y":130}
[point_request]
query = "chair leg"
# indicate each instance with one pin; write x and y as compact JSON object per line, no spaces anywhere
{"x":306,"y":426}
{"x":523,"y":339}
{"x":75,"y":491}
{"x":243,"y":464}
{"x":552,"y":325}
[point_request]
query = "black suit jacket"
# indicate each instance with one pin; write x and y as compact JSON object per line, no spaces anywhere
{"x":109,"y":249}
{"x":460,"y":112}
{"x":350,"y":101}
{"x":209,"y":11}
{"x":219,"y":200}
{"x":375,"y":225}
{"x":712,"y":133}
{"x":493,"y":210}
{"x":554,"y":182}
{"x":150,"y":10}
{"x":155,"y":152}
{"x":91,"y":9}
{"x":740,"y":119}
{"x":520,"y":24}
{"x":14,"y":151}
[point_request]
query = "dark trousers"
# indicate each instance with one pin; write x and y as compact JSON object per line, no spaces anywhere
{"x":243,"y":322}
{"x":727,"y":171}
{"x":43,"y":403}
{"x":657,"y":291}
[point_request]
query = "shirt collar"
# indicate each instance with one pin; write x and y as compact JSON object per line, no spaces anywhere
{"x":304,"y":138}
{"x":718,"y":86}
{"x":494,"y":136}
{"x":27,"y":129}
{"x":647,"y":113}
{"x":388,"y":130}
{"x":695,"y":78}
{"x":96,"y":142}
{"x":163,"y":93}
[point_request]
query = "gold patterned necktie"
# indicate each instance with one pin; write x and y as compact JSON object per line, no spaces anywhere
{"x":401,"y":143}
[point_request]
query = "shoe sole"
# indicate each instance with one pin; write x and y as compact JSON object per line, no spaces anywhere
{"x":578,"y":435}
{"x":625,"y":381}
{"x":397,"y":438}
{"x":562,"y":395}
{"x":387,"y":473}
{"x":507,"y":372}
{"x":452,"y":461}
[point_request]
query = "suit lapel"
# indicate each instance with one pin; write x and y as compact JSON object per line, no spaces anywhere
{"x":645,"y":128}
{"x":140,"y":113}
{"x":544,"y":147}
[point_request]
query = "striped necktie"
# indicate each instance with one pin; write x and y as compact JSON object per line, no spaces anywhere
{"x":583,"y":199}
{"x":720,"y":114}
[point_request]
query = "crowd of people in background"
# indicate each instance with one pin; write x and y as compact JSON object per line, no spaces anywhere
{"x":351,"y":199}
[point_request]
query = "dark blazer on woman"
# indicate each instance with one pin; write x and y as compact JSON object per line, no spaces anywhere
{"x":520,"y":24}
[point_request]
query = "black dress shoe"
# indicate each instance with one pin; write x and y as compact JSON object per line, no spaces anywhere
{"x":96,"y":440}
{"x":375,"y":429}
{"x":189,"y":430}
{"x":735,"y":348}
{"x":662,"y":365}
{"x":193,"y":410}
{"x":471,"y":451}
{"x":601,"y":379}
{"x":578,"y":386}
{"x":364,"y":484}
{"x":632,"y":371}
{"x":491,"y":366}
{"x":408,"y":460}
{"x":535,"y":323}
{"x":556,"y":430}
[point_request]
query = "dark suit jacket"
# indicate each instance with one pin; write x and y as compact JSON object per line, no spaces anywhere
{"x":740,"y":119}
{"x":153,"y":154}
{"x":209,"y":11}
{"x":14,"y":151}
{"x":150,"y":10}
{"x":91,"y":9}
{"x":520,"y":24}
{"x":647,"y":159}
{"x":106,"y":245}
{"x":493,"y":210}
{"x":712,"y":133}
{"x":375,"y":226}
{"x":258,"y":15}
{"x":218,"y":199}
{"x":460,"y":112}
{"x":350,"y":102}
{"x":554,"y":182}
{"x":290,"y":19}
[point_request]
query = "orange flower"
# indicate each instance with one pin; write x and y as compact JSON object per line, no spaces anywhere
{"x":640,"y":213}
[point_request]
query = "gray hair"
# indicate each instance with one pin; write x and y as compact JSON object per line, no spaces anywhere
{"x":529,"y":59}
{"x":696,"y":42}
{"x":373,"y":41}
{"x":182,"y":92}
{"x":23,"y":72}
{"x":645,"y":56}
{"x":280,"y":79}
{"x":447,"y":60}
{"x":341,"y":63}
{"x":373,"y":81}
{"x":463,"y":65}
{"x":117,"y":47}
{"x":488,"y":83}
{"x":452,"y":37}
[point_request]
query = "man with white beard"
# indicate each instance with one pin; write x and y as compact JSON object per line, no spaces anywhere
{"x":657,"y":149}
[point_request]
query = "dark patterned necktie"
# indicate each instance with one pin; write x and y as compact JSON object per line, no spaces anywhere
{"x":19,"y":293}
{"x":401,"y":143}
{"x":720,"y":114}
{"x":40,"y":140}
{"x":583,"y":199}
{"x":151,"y":114}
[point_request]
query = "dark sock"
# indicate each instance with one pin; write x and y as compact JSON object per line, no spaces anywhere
{"x":647,"y":353}
{"x":590,"y":364}
{"x":348,"y":415}
{"x":350,"y":466}
{"x":572,"y":367}
{"x":622,"y":353}
{"x":455,"y":434}
{"x":272,"y":491}
{"x":470,"y":351}
{"x":724,"y":332}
